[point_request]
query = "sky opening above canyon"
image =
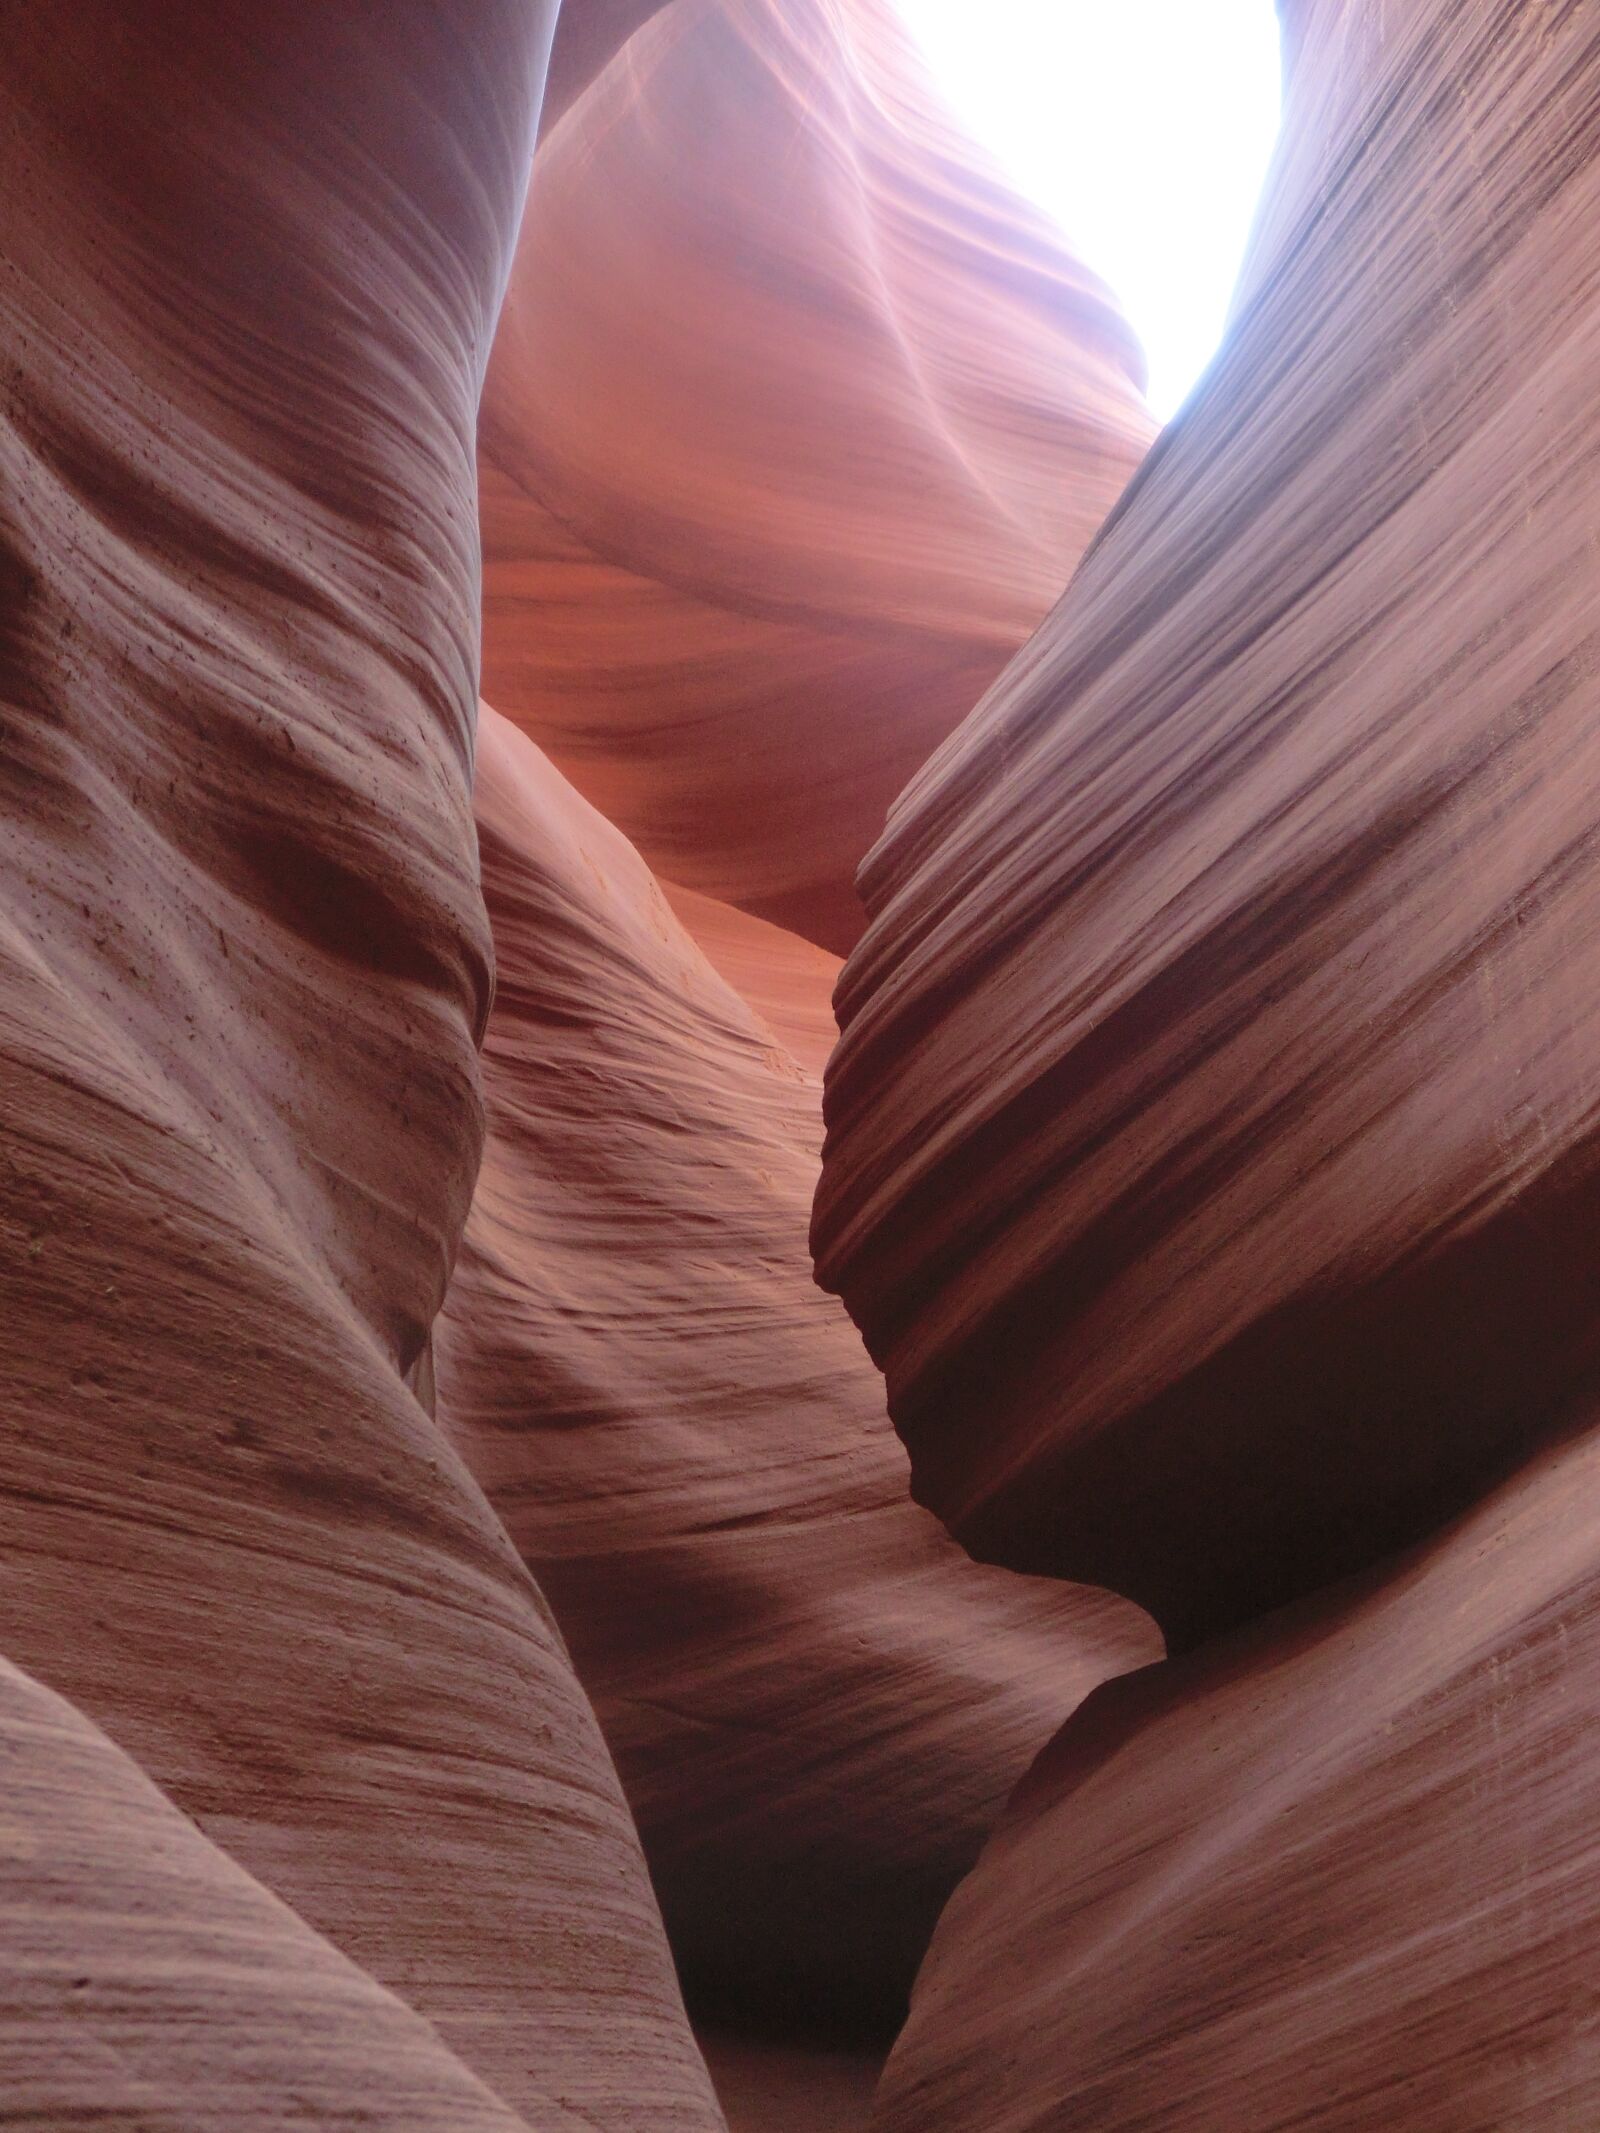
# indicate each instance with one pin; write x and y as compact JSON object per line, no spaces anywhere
{"x":1145,"y":131}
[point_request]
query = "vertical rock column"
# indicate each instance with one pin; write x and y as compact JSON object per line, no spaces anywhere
{"x":250,"y":260}
{"x":1212,"y":1163}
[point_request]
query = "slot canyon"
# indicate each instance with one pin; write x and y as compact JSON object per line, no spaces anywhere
{"x":793,"y":1231}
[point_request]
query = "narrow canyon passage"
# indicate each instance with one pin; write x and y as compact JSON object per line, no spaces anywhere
{"x":741,"y":1049}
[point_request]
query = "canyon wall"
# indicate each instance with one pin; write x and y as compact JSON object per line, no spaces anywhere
{"x":1209,"y":1161}
{"x":252,"y":261}
{"x":797,"y":422}
{"x":1211,"y":1131}
{"x":446,"y":1527}
{"x":781,"y":456}
{"x":816,"y":1703}
{"x":1335,"y":1870}
{"x":147,"y":1972}
{"x":308,"y":1813}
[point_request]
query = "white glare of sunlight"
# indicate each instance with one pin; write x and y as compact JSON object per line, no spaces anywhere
{"x":1144,"y":130}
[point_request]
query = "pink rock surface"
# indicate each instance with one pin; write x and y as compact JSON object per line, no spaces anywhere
{"x":589,"y":33}
{"x":148,"y":1980}
{"x":787,"y":980}
{"x":1337,"y":1872}
{"x":797,"y":422}
{"x":1211,"y":1159}
{"x":816,"y":1703}
{"x":771,"y":2087}
{"x":1211,"y":1140}
{"x":251,"y":263}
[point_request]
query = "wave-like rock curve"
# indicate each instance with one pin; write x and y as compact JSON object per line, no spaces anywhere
{"x":148,"y":1979}
{"x":1335,"y":1870}
{"x":1212,"y":1153}
{"x":251,"y":261}
{"x":816,"y":1702}
{"x":797,"y":421}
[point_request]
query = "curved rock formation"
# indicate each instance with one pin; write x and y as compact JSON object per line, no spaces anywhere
{"x":797,"y":421}
{"x":788,"y":981}
{"x":149,"y":1980}
{"x":588,"y":35}
{"x":251,"y":261}
{"x":1212,"y":1137}
{"x":816,"y":1703}
{"x":1335,"y":1871}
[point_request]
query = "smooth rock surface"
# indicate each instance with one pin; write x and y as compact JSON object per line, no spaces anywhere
{"x":589,"y":33}
{"x":768,"y":2087}
{"x":798,"y":420}
{"x":250,"y":262}
{"x":1338,"y":1873}
{"x":816,"y":1703}
{"x":787,"y":980}
{"x":1212,"y":1157}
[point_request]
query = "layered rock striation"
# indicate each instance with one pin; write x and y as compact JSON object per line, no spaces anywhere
{"x":1335,"y":1870}
{"x":781,"y":456}
{"x":251,"y":262}
{"x":149,"y":1979}
{"x":276,"y":1676}
{"x":797,"y":422}
{"x":1209,"y":1142}
{"x":1209,"y":1164}
{"x":816,"y":1703}
{"x":1211,"y":1139}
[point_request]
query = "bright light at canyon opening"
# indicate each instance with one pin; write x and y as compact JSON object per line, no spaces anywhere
{"x":1144,"y":130}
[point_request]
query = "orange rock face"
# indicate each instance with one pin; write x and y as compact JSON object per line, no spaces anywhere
{"x":251,"y":260}
{"x":816,"y":1703}
{"x":798,"y":420}
{"x":1212,"y":1135}
{"x":787,"y":981}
